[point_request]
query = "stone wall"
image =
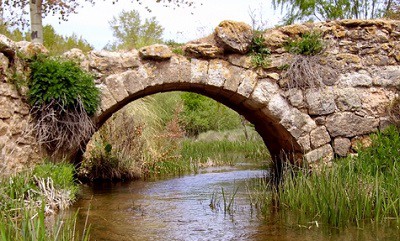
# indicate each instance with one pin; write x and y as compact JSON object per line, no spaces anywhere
{"x":317,"y":122}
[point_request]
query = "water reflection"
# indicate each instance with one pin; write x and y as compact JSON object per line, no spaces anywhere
{"x":179,"y":209}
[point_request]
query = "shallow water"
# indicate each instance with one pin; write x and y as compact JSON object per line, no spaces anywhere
{"x":179,"y":209}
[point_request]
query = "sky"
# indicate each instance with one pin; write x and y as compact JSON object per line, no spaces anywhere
{"x":180,"y":24}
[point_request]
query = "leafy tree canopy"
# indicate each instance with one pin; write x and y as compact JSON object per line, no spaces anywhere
{"x":310,"y":10}
{"x":131,"y":32}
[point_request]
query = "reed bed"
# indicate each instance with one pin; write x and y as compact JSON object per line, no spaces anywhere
{"x":29,"y":199}
{"x":354,"y":191}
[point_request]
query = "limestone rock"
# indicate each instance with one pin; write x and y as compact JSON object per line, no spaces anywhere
{"x":324,"y":153}
{"x":348,"y":99}
{"x":360,"y":142}
{"x":202,"y":50}
{"x":386,"y":76}
{"x":7,"y":47}
{"x":348,"y":124}
{"x":341,"y":146}
{"x":319,"y":137}
{"x":296,"y":97}
{"x":29,"y":49}
{"x":295,"y":29}
{"x":243,"y":61}
{"x":320,"y":101}
{"x":156,"y":52}
{"x":274,"y":38}
{"x":359,"y":79}
{"x":234,"y":36}
{"x":114,"y":62}
{"x":320,"y":120}
{"x":264,"y":90}
{"x":304,"y":142}
{"x":78,"y":56}
{"x":298,"y":123}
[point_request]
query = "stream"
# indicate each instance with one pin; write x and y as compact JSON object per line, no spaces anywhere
{"x":193,"y":207}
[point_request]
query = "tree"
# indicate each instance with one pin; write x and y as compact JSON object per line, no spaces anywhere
{"x":38,"y":9}
{"x":300,"y":10}
{"x":131,"y":32}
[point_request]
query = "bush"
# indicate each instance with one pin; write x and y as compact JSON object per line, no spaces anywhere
{"x":62,"y":98}
{"x":64,"y":81}
{"x":202,"y":114}
{"x":310,"y":43}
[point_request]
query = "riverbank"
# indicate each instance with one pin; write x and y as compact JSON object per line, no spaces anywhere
{"x":357,"y":190}
{"x":30,"y":199}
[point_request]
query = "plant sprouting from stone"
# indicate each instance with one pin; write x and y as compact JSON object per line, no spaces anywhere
{"x":259,"y":53}
{"x":310,"y":43}
{"x":63,"y":97}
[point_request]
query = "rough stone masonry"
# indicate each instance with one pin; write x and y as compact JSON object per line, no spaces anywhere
{"x":314,"y":123}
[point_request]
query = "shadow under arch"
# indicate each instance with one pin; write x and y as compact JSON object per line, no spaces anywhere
{"x":277,"y":139}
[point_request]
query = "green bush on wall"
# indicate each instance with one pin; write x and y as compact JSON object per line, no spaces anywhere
{"x":310,"y":43}
{"x":64,"y":81}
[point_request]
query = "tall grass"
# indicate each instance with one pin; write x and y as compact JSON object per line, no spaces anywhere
{"x":149,"y":138}
{"x":355,"y":190}
{"x":28,"y":198}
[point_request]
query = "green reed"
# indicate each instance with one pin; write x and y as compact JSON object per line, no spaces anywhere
{"x":353,"y":191}
{"x":26,"y":207}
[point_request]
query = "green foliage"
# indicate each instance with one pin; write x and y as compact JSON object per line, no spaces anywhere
{"x":354,"y":190}
{"x":310,"y":43}
{"x":131,"y":32}
{"x":62,"y":175}
{"x":58,"y":44}
{"x":202,"y":114}
{"x":22,"y":217}
{"x":176,"y":47}
{"x":259,"y":53}
{"x":63,"y":81}
{"x":310,"y":10}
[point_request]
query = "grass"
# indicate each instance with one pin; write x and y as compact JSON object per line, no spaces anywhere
{"x":195,"y":153}
{"x":353,"y":191}
{"x":28,"y":199}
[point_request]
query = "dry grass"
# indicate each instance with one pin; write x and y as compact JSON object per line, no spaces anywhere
{"x":306,"y":72}
{"x":61,"y":130}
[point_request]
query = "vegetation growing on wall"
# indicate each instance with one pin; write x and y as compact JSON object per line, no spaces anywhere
{"x":63,"y":97}
{"x":259,"y":53}
{"x":305,"y":70}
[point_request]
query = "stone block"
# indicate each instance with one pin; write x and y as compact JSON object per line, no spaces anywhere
{"x":320,"y":101}
{"x":319,"y":136}
{"x":349,"y":124}
{"x":324,"y":154}
{"x":341,"y":146}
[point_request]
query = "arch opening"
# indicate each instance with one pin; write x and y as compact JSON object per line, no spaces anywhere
{"x":276,"y":138}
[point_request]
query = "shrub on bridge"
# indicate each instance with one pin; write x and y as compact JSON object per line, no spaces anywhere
{"x":62,"y":97}
{"x":305,"y":70}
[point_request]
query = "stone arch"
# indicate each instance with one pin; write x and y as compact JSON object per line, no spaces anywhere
{"x":258,"y":99}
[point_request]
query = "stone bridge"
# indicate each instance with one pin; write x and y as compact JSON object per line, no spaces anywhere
{"x":314,"y":122}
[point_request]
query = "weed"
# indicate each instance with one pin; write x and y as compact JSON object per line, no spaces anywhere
{"x":306,"y":72}
{"x":309,"y":44}
{"x":259,"y":53}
